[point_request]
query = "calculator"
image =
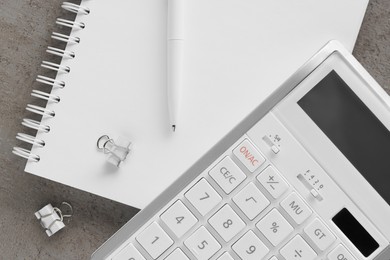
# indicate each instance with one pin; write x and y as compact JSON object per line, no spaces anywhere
{"x":305,"y":176}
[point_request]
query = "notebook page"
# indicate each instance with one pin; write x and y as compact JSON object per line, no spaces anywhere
{"x":236,"y":53}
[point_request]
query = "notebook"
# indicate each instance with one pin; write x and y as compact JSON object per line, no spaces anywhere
{"x":236,"y":53}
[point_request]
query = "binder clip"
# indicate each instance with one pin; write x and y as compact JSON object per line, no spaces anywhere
{"x":117,"y":152}
{"x":52,"y":218}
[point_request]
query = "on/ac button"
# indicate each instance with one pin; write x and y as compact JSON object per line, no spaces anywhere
{"x":249,"y":155}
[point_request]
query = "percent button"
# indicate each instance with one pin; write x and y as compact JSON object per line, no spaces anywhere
{"x":275,"y":227}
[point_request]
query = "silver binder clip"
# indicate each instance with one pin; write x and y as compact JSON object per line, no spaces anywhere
{"x":117,"y":152}
{"x":52,"y":218}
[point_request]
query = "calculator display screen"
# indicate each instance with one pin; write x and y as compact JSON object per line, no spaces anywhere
{"x":352,"y":128}
{"x":355,"y":232}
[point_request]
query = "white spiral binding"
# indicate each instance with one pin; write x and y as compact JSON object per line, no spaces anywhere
{"x":55,"y":67}
{"x":40,"y":110}
{"x":45,"y":96}
{"x":65,"y":38}
{"x":30,"y":139}
{"x":70,"y":24}
{"x":50,"y":81}
{"x":61,"y":53}
{"x":75,"y":8}
{"x":36,"y":125}
{"x":24,"y":153}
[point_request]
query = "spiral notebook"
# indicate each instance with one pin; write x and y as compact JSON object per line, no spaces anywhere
{"x":112,"y":81}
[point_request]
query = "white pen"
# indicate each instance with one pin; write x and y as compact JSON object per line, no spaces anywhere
{"x":175,"y":42}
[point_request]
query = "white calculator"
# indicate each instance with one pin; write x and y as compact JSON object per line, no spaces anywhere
{"x":305,"y":176}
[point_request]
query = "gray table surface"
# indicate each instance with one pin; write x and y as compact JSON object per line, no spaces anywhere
{"x":25,"y":28}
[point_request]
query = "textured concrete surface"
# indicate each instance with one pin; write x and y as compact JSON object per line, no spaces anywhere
{"x":25,"y":28}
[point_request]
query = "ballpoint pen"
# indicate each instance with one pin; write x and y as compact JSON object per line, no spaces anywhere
{"x":175,"y":42}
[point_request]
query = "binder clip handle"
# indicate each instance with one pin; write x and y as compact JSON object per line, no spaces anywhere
{"x":117,"y":152}
{"x":66,"y":207}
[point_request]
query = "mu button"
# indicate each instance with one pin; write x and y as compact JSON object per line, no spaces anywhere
{"x":296,"y":208}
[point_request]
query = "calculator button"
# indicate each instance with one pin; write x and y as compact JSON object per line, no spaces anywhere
{"x":340,"y":253}
{"x":225,"y":256}
{"x":227,"y":175}
{"x":202,"y":244}
{"x":272,"y":182}
{"x":249,"y":155}
{"x":296,"y":208}
{"x":177,"y":254}
{"x":227,"y":223}
{"x":273,"y":258}
{"x":250,"y":247}
{"x":203,"y":197}
{"x":129,"y":252}
{"x":154,"y":240}
{"x":319,"y":234}
{"x":178,"y":218}
{"x":274,"y":227}
{"x":298,"y":249}
{"x":251,"y":201}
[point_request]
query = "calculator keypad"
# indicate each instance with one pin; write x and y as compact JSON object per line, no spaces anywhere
{"x":241,"y":207}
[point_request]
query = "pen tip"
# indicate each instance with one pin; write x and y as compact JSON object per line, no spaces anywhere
{"x":173,"y":128}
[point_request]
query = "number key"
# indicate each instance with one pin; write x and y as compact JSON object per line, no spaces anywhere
{"x":250,"y":247}
{"x":129,"y":253}
{"x":178,"y":218}
{"x":225,"y":256}
{"x":227,"y":223}
{"x":203,"y":197}
{"x":177,"y":254}
{"x":154,"y":240}
{"x":202,"y":244}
